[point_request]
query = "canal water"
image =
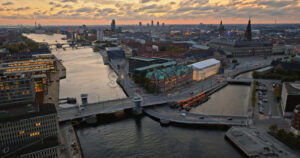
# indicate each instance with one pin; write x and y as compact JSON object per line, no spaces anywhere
{"x":86,"y":72}
{"x":129,"y":137}
{"x":230,"y":100}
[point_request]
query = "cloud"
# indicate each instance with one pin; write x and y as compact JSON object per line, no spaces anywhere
{"x":7,"y":3}
{"x":69,"y":1}
{"x":146,"y":1}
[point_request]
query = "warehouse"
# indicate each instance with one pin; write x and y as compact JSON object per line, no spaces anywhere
{"x":205,"y":69}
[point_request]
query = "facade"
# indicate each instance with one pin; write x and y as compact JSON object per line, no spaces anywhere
{"x":115,"y":53}
{"x":295,"y":125}
{"x":290,"y":97}
{"x":43,"y":70}
{"x":242,"y":47}
{"x":18,"y":91}
{"x":21,"y":128}
{"x":168,"y":78}
{"x":205,"y":69}
{"x":246,"y":47}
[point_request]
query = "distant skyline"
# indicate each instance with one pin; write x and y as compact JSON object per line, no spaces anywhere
{"x":101,"y":12}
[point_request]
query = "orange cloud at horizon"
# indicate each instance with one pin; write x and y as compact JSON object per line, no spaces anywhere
{"x":46,"y":22}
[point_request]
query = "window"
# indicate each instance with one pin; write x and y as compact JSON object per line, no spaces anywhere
{"x":21,"y":132}
{"x":37,"y":124}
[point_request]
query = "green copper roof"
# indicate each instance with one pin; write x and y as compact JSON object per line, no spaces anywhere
{"x":142,"y":58}
{"x":169,"y":72}
{"x":156,"y":66}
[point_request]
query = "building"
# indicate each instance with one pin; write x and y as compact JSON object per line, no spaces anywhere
{"x":44,"y":70}
{"x":139,"y":62}
{"x":168,"y":78}
{"x":140,"y":24}
{"x":295,"y":124}
{"x":290,"y":97}
{"x":205,"y":69}
{"x":152,"y":23}
{"x":16,"y":91}
{"x":245,"y":47}
{"x":157,"y":24}
{"x":113,"y":25}
{"x":100,"y":35}
{"x":24,"y":131}
{"x":115,"y":53}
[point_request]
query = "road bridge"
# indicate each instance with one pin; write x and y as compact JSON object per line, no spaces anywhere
{"x":105,"y":107}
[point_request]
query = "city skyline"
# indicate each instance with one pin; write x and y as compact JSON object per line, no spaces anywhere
{"x":101,"y":12}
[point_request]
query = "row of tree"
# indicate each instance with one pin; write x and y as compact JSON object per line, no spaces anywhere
{"x":286,"y":137}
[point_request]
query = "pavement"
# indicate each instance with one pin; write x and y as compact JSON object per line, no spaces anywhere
{"x":70,"y":142}
{"x":258,"y":143}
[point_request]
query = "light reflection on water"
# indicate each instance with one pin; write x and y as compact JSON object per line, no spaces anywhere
{"x":86,"y":72}
{"x":230,"y":100}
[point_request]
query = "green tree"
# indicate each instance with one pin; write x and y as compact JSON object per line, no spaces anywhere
{"x":273,"y":128}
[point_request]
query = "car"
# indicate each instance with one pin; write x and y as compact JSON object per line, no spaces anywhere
{"x":261,"y":111}
{"x":201,"y":117}
{"x":265,"y":100}
{"x":260,"y":103}
{"x":229,"y":119}
{"x":183,"y":114}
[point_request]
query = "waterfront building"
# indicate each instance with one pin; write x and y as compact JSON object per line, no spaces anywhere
{"x":141,"y":62}
{"x":24,"y":131}
{"x":205,"y":69}
{"x":168,"y":78}
{"x":290,"y":97}
{"x":295,"y":125}
{"x":43,"y":70}
{"x":16,"y":91}
{"x":115,"y":53}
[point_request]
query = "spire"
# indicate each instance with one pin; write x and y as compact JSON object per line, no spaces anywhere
{"x":248,"y":33}
{"x":221,"y":28}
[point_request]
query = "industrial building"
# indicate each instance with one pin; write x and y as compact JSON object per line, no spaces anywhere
{"x":290,"y":97}
{"x":205,"y":69}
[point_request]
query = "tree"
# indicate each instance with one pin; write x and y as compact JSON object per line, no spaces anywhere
{"x":273,"y":128}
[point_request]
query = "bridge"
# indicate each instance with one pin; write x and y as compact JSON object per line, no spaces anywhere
{"x":105,"y":107}
{"x":174,"y":116}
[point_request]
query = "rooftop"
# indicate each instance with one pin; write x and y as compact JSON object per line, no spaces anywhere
{"x":204,"y":64}
{"x":292,"y":88}
{"x":141,"y":58}
{"x":20,"y":149}
{"x":156,"y":66}
{"x":241,"y":43}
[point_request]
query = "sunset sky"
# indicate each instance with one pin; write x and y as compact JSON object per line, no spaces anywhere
{"x":100,"y":12}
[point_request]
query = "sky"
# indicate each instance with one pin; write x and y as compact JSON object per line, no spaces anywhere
{"x":101,"y":12}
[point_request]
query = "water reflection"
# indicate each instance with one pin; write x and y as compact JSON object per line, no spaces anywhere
{"x":86,"y":72}
{"x":231,"y":100}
